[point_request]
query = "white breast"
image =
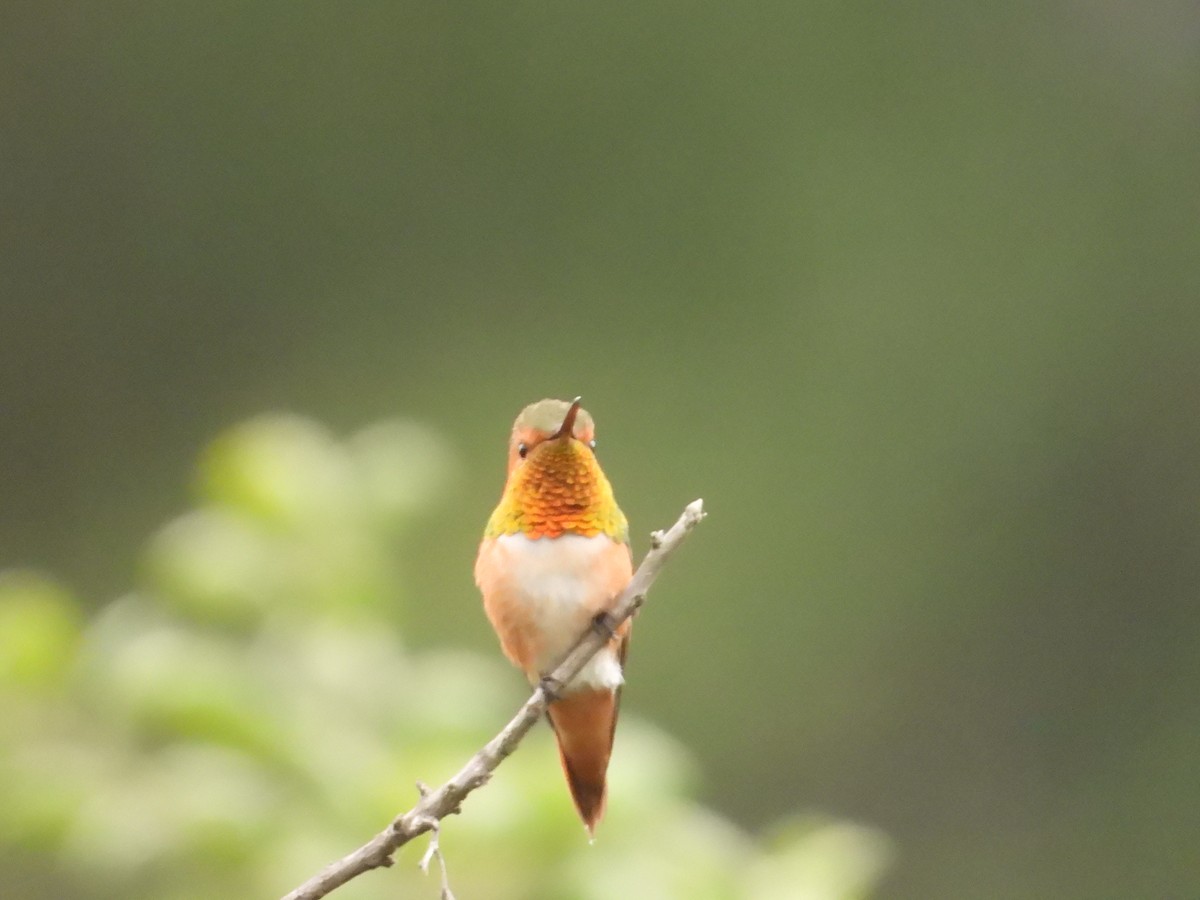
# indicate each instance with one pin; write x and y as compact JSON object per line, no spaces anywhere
{"x":560,"y":585}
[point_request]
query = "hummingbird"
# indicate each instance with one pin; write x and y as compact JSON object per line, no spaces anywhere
{"x":554,"y":558}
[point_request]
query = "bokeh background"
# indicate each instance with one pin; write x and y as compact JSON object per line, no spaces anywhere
{"x":907,"y":293}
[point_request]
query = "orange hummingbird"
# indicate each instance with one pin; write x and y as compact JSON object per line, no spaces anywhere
{"x":554,"y":557}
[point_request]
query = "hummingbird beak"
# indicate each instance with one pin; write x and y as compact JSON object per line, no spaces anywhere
{"x":568,"y":423}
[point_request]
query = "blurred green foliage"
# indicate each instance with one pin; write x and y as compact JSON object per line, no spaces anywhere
{"x":252,"y":712}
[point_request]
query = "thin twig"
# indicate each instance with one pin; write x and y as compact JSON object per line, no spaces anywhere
{"x":445,"y":800}
{"x":435,"y":849}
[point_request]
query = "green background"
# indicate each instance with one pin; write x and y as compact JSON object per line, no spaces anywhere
{"x":907,"y":293}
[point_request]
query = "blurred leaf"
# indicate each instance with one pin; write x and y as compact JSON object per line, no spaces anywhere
{"x":284,"y":470}
{"x":820,"y":859}
{"x":216,"y":564}
{"x":404,"y":467}
{"x":39,"y":630}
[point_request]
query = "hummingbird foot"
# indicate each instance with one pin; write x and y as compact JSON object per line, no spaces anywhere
{"x":605,"y":625}
{"x":551,"y":687}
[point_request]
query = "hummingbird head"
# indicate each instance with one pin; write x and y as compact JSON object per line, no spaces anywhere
{"x":555,"y":484}
{"x":550,"y":421}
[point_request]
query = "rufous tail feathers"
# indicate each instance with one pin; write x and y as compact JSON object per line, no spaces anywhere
{"x":584,"y":723}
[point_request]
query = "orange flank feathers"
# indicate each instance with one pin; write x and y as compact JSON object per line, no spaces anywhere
{"x":554,"y":555}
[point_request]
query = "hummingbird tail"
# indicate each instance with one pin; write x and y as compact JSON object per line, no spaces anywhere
{"x":584,"y":723}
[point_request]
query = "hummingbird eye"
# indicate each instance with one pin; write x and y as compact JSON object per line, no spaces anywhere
{"x":522,"y":450}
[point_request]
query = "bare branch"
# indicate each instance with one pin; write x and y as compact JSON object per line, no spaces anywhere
{"x":437,"y":804}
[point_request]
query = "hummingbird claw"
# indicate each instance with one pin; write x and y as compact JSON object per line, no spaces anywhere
{"x":605,"y":625}
{"x":551,"y":687}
